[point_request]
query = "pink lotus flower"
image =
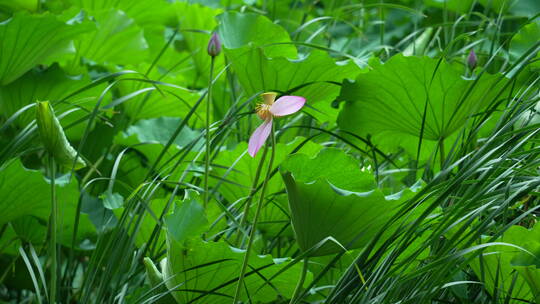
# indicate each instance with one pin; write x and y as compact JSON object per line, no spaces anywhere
{"x":285,"y":105}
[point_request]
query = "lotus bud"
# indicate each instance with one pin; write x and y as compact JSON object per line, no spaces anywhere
{"x":214,"y":45}
{"x":472,"y":60}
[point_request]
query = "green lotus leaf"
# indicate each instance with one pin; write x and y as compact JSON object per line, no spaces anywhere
{"x":498,"y":264}
{"x":237,"y":30}
{"x":112,"y":200}
{"x":148,"y":12}
{"x":389,"y":100}
{"x":159,"y":130}
{"x":117,"y":39}
{"x":331,"y":197}
{"x":27,"y":193}
{"x":154,"y":275}
{"x":531,"y":275}
{"x":527,"y":264}
{"x":194,"y":265}
{"x":27,"y":40}
{"x":152,"y":104}
{"x":10,"y":242}
{"x":524,"y":40}
{"x":15,"y":5}
{"x":29,"y":229}
{"x":51,"y":84}
{"x":527,"y":8}
{"x":213,"y":268}
{"x":187,"y":220}
{"x":148,"y":138}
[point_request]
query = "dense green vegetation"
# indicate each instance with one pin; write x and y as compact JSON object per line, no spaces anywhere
{"x":269,"y":151}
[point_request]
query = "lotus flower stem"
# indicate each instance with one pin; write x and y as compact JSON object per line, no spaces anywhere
{"x":247,"y":204}
{"x":207,"y":141}
{"x":53,"y":231}
{"x":251,"y":236}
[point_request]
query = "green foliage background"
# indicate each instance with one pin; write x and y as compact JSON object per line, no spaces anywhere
{"x":410,"y":176}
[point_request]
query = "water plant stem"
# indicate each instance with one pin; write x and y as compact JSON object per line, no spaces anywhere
{"x":53,"y":231}
{"x":382,"y":22}
{"x":247,"y":204}
{"x":207,"y":141}
{"x":300,"y":283}
{"x":441,"y":150}
{"x":251,"y":236}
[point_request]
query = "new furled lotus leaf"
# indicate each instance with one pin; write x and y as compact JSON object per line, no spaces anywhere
{"x":54,"y":139}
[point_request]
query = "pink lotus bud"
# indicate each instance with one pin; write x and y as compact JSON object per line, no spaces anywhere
{"x":214,"y":45}
{"x":472,"y":60}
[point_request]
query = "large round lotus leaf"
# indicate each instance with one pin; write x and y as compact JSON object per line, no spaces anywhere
{"x":498,"y":264}
{"x":525,"y":40}
{"x":27,"y":194}
{"x":51,"y":84}
{"x":28,"y":40}
{"x":391,"y":98}
{"x":207,"y":272}
{"x":117,"y":39}
{"x":526,"y":8}
{"x":14,"y":5}
{"x":528,"y":266}
{"x":237,"y":30}
{"x":145,"y":13}
{"x":331,"y":197}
